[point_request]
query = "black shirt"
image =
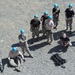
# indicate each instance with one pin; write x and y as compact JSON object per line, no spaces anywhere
{"x":44,"y":18}
{"x":56,"y":11}
{"x":69,"y":13}
{"x":64,"y":39}
{"x":35,"y":23}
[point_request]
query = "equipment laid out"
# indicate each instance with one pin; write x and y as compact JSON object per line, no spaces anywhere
{"x":58,"y":60}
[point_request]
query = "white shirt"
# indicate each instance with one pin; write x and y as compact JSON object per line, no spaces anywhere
{"x":49,"y":24}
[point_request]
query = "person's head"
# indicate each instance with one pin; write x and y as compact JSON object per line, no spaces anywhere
{"x":22,"y":31}
{"x":14,"y":49}
{"x":46,"y":13}
{"x":64,"y":35}
{"x":70,"y":6}
{"x":35,"y":17}
{"x":50,"y":17}
{"x":55,"y":5}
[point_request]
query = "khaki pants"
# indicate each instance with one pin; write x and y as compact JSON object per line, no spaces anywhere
{"x":49,"y":35}
{"x":35,"y":32}
{"x":69,"y":23}
{"x":24,"y":47}
{"x":43,"y":29}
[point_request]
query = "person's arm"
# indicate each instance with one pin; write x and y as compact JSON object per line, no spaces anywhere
{"x":41,"y":18}
{"x":39,"y":25}
{"x":65,"y":13}
{"x":9,"y":56}
{"x":67,"y":43}
{"x":31,"y":24}
{"x":73,"y":14}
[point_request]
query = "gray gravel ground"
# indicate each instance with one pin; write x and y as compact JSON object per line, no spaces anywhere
{"x":16,"y":15}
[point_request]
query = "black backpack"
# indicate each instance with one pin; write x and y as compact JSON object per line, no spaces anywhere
{"x":58,"y":60}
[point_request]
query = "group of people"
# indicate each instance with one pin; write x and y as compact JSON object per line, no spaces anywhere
{"x":49,"y":22}
{"x":16,"y":57}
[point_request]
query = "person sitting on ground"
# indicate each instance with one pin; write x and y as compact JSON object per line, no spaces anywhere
{"x":64,"y":40}
{"x":15,"y":57}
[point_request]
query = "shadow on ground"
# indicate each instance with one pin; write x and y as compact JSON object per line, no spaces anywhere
{"x":37,"y":46}
{"x":59,"y":33}
{"x":58,"y":48}
{"x":15,"y":45}
{"x":31,"y":41}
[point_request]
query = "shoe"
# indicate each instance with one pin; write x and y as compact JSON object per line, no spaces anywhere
{"x":70,"y":44}
{"x":55,"y":27}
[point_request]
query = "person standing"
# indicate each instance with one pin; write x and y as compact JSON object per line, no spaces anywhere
{"x":43,"y":18}
{"x":23,"y":42}
{"x":34,"y":26}
{"x":49,"y":27}
{"x":55,"y":12}
{"x":69,"y":14}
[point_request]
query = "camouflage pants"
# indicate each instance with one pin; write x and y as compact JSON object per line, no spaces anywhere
{"x":49,"y":35}
{"x":35,"y":32}
{"x":69,"y":23}
{"x":43,"y":29}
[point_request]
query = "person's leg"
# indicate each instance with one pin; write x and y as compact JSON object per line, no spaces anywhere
{"x":54,"y":20}
{"x":70,"y":24}
{"x":27,"y":50}
{"x":51,"y":36}
{"x":23,"y":50}
{"x":67,"y":24}
{"x":37,"y":33}
{"x":33,"y":34}
{"x":47,"y":35}
{"x":44,"y":30}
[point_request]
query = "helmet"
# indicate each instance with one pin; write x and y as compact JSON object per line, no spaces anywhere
{"x":35,"y":16}
{"x":22,"y":31}
{"x":45,"y":13}
{"x":70,"y":5}
{"x":14,"y":49}
{"x":55,"y":5}
{"x":50,"y":17}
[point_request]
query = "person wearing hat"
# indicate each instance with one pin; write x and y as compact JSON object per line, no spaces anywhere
{"x":49,"y":27}
{"x":34,"y":26}
{"x":43,"y":18}
{"x":69,"y":14}
{"x":23,"y":42}
{"x":15,"y":57}
{"x":55,"y":12}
